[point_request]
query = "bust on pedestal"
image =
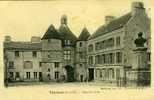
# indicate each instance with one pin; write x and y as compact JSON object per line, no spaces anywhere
{"x":140,"y":63}
{"x":140,"y":53}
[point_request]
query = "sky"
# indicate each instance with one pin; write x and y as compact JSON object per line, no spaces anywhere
{"x":21,"y":20}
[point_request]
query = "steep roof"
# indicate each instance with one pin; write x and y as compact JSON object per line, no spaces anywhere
{"x":66,"y":33}
{"x":51,"y":33}
{"x":84,"y":35}
{"x":113,"y":25}
{"x":22,"y":46}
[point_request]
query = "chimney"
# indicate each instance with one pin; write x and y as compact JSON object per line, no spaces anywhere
{"x":7,"y":38}
{"x":64,"y":20}
{"x":35,"y":39}
{"x":108,"y":19}
{"x":137,"y":8}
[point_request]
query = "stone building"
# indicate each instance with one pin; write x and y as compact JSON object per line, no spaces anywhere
{"x":81,"y":55}
{"x":106,"y":56}
{"x":51,"y":58}
{"x":22,"y":59}
{"x":110,"y":48}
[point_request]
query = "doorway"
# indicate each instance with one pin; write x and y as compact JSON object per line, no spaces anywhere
{"x":40,"y":77}
{"x":91,"y":74}
{"x":70,"y":73}
{"x":81,"y":78}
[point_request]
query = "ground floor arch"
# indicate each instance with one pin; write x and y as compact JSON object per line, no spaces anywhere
{"x":70,"y":73}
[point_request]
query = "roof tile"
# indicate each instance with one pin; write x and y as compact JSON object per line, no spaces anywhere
{"x":84,"y":35}
{"x":113,"y":25}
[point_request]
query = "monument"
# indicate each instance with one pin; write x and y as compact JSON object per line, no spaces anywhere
{"x":142,"y":72}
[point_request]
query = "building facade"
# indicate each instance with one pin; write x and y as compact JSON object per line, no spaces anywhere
{"x":60,"y":56}
{"x":110,"y":48}
{"x":81,"y":56}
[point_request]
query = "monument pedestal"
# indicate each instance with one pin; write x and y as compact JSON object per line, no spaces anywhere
{"x":142,"y":73}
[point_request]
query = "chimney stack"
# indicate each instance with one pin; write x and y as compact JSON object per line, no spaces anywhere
{"x":35,"y":39}
{"x":64,"y":20}
{"x":137,"y":8}
{"x":108,"y":19}
{"x":7,"y":38}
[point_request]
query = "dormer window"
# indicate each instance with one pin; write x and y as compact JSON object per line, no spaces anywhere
{"x":67,"y":42}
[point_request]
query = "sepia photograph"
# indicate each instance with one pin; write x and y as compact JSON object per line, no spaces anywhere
{"x":117,"y":53}
{"x":76,"y":44}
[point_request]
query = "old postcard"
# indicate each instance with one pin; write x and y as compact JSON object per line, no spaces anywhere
{"x":69,"y":47}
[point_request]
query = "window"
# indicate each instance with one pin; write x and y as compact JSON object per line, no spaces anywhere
{"x":49,"y":56}
{"x":48,"y":69}
{"x":67,"y":42}
{"x":56,"y":64}
{"x":17,"y":75}
{"x":11,"y":64}
{"x":11,"y":75}
{"x":28,"y":75}
{"x":96,"y":59}
{"x":56,"y":75}
{"x":91,"y":60}
{"x":105,"y":44}
{"x":118,"y":41}
{"x":28,"y":64}
{"x":103,"y":58}
{"x":17,"y":54}
{"x":67,"y":55}
{"x":80,"y":65}
{"x":90,"y":48}
{"x":118,"y":57}
{"x":35,"y":74}
{"x":106,"y":59}
{"x":111,"y":73}
{"x":111,"y":42}
{"x":49,"y":77}
{"x":103,"y":73}
{"x":102,"y":44}
{"x":149,"y":56}
{"x":111,"y":58}
{"x":81,"y":55}
{"x":80,"y":44}
{"x":117,"y":73}
{"x":96,"y":73}
{"x":97,"y":46}
{"x":107,"y":73}
{"x":99,"y":59}
{"x":34,"y":53}
{"x":40,"y":64}
{"x":100,"y":73}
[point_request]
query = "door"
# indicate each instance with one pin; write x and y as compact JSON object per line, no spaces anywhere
{"x":70,"y":73}
{"x":91,"y":74}
{"x":40,"y":76}
{"x":81,"y":78}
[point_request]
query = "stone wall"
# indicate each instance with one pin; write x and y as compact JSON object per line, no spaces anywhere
{"x":51,"y":53}
{"x":19,"y":64}
{"x":81,"y":61}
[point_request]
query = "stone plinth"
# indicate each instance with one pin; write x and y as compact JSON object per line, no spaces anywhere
{"x":140,"y":61}
{"x":140,"y":67}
